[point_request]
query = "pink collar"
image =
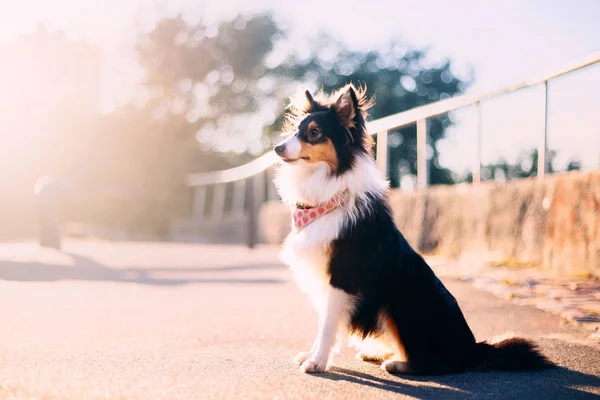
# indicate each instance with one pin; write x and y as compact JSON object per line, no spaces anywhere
{"x":303,"y":215}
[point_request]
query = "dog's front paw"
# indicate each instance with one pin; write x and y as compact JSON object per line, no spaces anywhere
{"x":302,"y":356}
{"x":313,"y":365}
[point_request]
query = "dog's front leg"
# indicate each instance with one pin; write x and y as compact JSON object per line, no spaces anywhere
{"x":305,"y":355}
{"x":336,"y":310}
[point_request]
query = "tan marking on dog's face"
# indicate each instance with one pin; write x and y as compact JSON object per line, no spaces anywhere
{"x":321,"y":151}
{"x":316,"y":147}
{"x":314,"y":127}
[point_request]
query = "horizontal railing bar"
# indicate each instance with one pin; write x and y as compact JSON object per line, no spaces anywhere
{"x":443,"y":106}
{"x":394,"y":121}
{"x":234,"y":174}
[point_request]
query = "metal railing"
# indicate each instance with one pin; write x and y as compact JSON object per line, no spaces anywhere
{"x":254,"y":170}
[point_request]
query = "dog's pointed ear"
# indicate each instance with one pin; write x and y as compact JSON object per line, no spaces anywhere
{"x":311,"y":104}
{"x":345,"y":108}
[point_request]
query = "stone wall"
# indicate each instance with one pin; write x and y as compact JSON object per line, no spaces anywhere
{"x":553,"y":223}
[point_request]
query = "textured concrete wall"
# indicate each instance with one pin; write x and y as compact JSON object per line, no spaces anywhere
{"x":553,"y":223}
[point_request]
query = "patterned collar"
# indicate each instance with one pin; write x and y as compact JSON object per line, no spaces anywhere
{"x":304,"y":214}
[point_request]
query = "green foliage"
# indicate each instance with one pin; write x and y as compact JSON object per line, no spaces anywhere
{"x":201,"y":85}
{"x":210,"y":73}
{"x":526,"y":166}
{"x":197,"y":78}
{"x":200,"y":79}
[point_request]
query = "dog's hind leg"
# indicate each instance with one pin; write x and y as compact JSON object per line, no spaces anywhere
{"x":373,"y":349}
{"x":398,"y":363}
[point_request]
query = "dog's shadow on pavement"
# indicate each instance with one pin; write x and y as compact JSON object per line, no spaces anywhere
{"x":555,"y":383}
{"x":87,"y":269}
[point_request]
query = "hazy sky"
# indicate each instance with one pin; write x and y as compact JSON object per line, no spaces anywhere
{"x":503,"y":41}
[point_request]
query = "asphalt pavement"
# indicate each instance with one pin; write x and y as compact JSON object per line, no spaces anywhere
{"x":187,"y":321}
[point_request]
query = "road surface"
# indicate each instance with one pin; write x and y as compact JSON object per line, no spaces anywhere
{"x":181,"y":321}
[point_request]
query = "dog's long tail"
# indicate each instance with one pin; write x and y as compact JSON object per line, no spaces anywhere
{"x":511,"y":354}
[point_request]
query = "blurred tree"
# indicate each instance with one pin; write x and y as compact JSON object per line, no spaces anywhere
{"x":400,"y":79}
{"x":525,"y":166}
{"x":203,"y":83}
{"x":215,"y":77}
{"x":210,"y":76}
{"x":198,"y":78}
{"x":574,"y":165}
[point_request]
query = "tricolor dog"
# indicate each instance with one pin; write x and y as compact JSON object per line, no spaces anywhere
{"x":358,"y":270}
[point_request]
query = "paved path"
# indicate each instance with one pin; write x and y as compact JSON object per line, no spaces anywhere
{"x":170,"y":321}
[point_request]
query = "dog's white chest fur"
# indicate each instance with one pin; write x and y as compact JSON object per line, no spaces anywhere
{"x":307,"y":253}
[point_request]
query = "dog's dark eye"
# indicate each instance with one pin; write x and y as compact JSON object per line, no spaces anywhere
{"x":314,"y":132}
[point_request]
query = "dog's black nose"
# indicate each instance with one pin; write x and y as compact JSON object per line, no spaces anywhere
{"x":279,"y":149}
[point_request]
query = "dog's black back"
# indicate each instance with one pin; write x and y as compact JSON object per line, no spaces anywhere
{"x":372,"y":260}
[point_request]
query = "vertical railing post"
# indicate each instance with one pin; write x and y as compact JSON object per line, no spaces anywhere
{"x":239,"y":194}
{"x":477,"y":169}
{"x":422,"y":162}
{"x":252,"y":212}
{"x":271,"y":188}
{"x":382,"y":150}
{"x":543,"y":161}
{"x":266,"y":178}
{"x":218,"y":203}
{"x":46,"y":193}
{"x":199,"y":201}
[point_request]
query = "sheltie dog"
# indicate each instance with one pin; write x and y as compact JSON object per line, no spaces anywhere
{"x":358,"y":270}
